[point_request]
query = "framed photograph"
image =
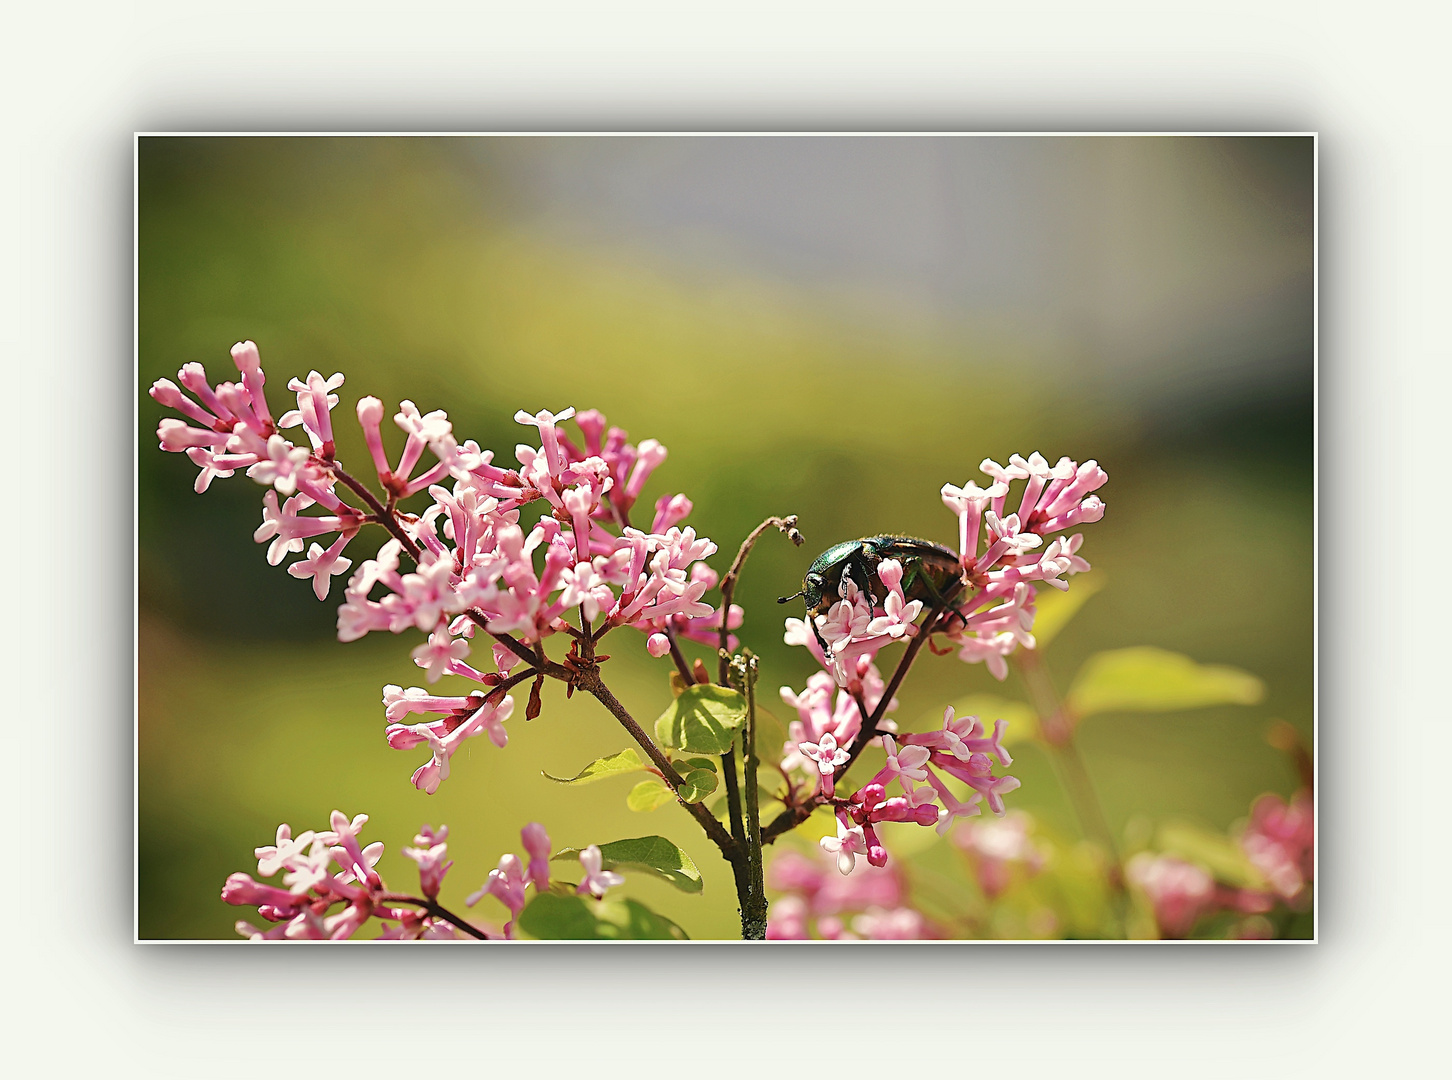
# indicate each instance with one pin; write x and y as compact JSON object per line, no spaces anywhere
{"x":807,"y":537}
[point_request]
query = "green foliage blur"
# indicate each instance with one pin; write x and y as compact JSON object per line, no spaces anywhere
{"x":406,"y":265}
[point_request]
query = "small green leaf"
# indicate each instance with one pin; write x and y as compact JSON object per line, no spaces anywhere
{"x":1054,"y":608}
{"x":1023,"y":722}
{"x":697,"y":784}
{"x":551,"y":917}
{"x":627,"y":761}
{"x":653,"y":854}
{"x":771,"y":734}
{"x":700,"y":763}
{"x":1215,"y":851}
{"x":648,"y":795}
{"x":1146,"y":679}
{"x":703,"y":720}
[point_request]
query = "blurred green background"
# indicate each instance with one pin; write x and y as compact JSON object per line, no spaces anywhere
{"x":829,"y":327}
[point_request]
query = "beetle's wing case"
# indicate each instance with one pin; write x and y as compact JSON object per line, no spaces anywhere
{"x":911,"y":547}
{"x":834,"y":557}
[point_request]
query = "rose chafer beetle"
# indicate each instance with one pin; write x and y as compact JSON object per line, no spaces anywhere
{"x":932,"y":573}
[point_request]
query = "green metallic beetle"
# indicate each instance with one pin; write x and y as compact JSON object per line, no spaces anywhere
{"x":932,"y":573}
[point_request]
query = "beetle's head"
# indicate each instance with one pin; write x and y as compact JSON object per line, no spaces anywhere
{"x":812,"y":586}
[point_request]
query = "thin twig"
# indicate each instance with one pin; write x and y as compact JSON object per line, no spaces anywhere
{"x":787,"y":525}
{"x":438,"y":911}
{"x":753,"y":917}
{"x":588,"y":679}
{"x":384,"y":515}
{"x":679,"y":657}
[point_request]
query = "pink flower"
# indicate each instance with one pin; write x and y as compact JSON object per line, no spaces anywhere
{"x":439,"y":653}
{"x":242,"y":889}
{"x":547,"y":423}
{"x":977,"y":773}
{"x":649,"y":455}
{"x":952,"y":807}
{"x":846,"y":845}
{"x":899,"y":924}
{"x":963,"y":738}
{"x":537,"y":846}
{"x":284,"y":853}
{"x":322,"y":566}
{"x":281,"y":466}
{"x":429,"y":852}
{"x":786,"y":920}
{"x":827,"y":755}
{"x":997,"y":845}
{"x":829,"y":893}
{"x":314,"y":404}
{"x":1279,"y":841}
{"x":1179,"y":891}
{"x":904,"y":766}
{"x":506,"y":884}
{"x":670,"y":510}
{"x":357,"y":862}
{"x":399,"y":703}
{"x":596,"y":880}
{"x":444,"y":740}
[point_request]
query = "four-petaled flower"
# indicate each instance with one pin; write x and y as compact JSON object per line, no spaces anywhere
{"x":596,"y":880}
{"x":846,"y":845}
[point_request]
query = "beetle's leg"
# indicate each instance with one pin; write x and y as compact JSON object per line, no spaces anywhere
{"x":826,"y":649}
{"x":941,"y":601}
{"x":910,"y":575}
{"x":858,"y":565}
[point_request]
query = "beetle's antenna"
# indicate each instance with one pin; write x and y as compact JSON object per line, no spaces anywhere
{"x":793,"y":596}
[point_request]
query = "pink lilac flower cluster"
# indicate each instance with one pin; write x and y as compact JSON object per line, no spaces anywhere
{"x":817,"y":903}
{"x":1278,"y":840}
{"x":992,"y":607}
{"x":474,"y":563}
{"x":301,"y":908}
{"x":509,"y":881}
{"x":818,"y":742}
{"x":1000,"y":557}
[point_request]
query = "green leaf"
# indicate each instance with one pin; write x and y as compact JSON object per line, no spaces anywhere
{"x":1054,"y":608}
{"x":1023,"y":722}
{"x":551,"y":917}
{"x":697,"y":784}
{"x":703,"y":720}
{"x":1215,"y":851}
{"x":700,"y":763}
{"x":1146,"y":679}
{"x":653,"y":854}
{"x":627,"y":761}
{"x":771,"y":734}
{"x":648,"y":795}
